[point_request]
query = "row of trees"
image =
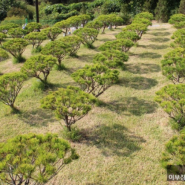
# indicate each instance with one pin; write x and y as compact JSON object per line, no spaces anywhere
{"x":37,"y":158}
{"x":172,"y":97}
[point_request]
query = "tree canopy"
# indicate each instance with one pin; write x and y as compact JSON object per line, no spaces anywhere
{"x":10,"y":86}
{"x":70,"y":104}
{"x":39,"y":66}
{"x":95,"y":79}
{"x":34,"y":158}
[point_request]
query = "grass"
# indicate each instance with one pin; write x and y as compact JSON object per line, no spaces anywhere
{"x":125,"y":135}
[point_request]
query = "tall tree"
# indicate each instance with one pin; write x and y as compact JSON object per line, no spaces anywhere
{"x":161,"y":11}
{"x":182,"y":7}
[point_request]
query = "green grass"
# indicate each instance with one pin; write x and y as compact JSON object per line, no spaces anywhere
{"x":123,"y":137}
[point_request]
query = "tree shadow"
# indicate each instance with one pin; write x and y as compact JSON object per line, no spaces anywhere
{"x":130,"y":106}
{"x":142,"y":68}
{"x":86,"y":58}
{"x":139,"y":83}
{"x":105,"y":39}
{"x":160,"y":34}
{"x":149,"y":55}
{"x":159,"y":39}
{"x":37,"y":118}
{"x":154,"y":46}
{"x":114,"y":139}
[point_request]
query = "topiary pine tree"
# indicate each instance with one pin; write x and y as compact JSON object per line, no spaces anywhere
{"x":182,"y":7}
{"x":52,"y":32}
{"x":122,"y":45}
{"x":176,"y":18}
{"x":8,"y":26}
{"x":131,"y":35}
{"x":74,"y":42}
{"x":10,"y":86}
{"x":36,"y":39}
{"x":34,"y":158}
{"x":111,"y":58}
{"x":33,"y":27}
{"x":84,"y":18}
{"x":179,"y":37}
{"x":16,"y":47}
{"x":95,"y":79}
{"x":70,"y":104}
{"x":64,"y":26}
{"x":139,"y":28}
{"x":173,"y":158}
{"x":39,"y":66}
{"x":88,"y":35}
{"x":143,"y":21}
{"x":172,"y":99}
{"x":16,"y":32}
{"x":173,"y":65}
{"x":57,"y":49}
{"x":94,"y":24}
{"x":104,"y":19}
{"x":145,"y":15}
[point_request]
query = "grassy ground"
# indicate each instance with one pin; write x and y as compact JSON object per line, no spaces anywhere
{"x":125,"y":135}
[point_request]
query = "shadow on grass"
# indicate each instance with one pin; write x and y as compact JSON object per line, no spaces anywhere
{"x":114,"y":139}
{"x":139,"y":83}
{"x":105,"y":39}
{"x":86,"y":58}
{"x":153,"y":46}
{"x":160,"y":34}
{"x":130,"y":106}
{"x":160,"y":39}
{"x":150,"y":55}
{"x":142,"y":68}
{"x":37,"y":118}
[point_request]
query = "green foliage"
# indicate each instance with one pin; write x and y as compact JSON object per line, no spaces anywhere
{"x":144,"y":15}
{"x":95,"y":79}
{"x":139,"y":28}
{"x":64,"y":26}
{"x":57,"y":49}
{"x":34,"y":158}
{"x":173,"y":65}
{"x":74,"y":42}
{"x":161,"y":11}
{"x":16,"y":32}
{"x":88,"y":35}
{"x":73,"y":135}
{"x":17,"y":12}
{"x":120,"y":44}
{"x":74,"y":21}
{"x":172,"y":99}
{"x":176,"y":18}
{"x":179,"y":37}
{"x":39,"y":66}
{"x":2,"y":37}
{"x":84,"y":18}
{"x":52,"y":32}
{"x":109,"y":20}
{"x":15,"y":47}
{"x":179,"y":25}
{"x":36,"y":38}
{"x":111,"y":58}
{"x":14,"y":19}
{"x":143,"y":21}
{"x":174,"y":153}
{"x":70,"y":104}
{"x":5,"y":27}
{"x":94,"y":24}
{"x":33,"y":26}
{"x":182,"y":7}
{"x":10,"y":86}
{"x":110,"y":6}
{"x":3,"y":55}
{"x":131,"y":35}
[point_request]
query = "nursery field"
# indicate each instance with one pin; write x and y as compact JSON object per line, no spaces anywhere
{"x":123,"y":138}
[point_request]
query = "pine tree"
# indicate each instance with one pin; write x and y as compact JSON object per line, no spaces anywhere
{"x":182,"y":7}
